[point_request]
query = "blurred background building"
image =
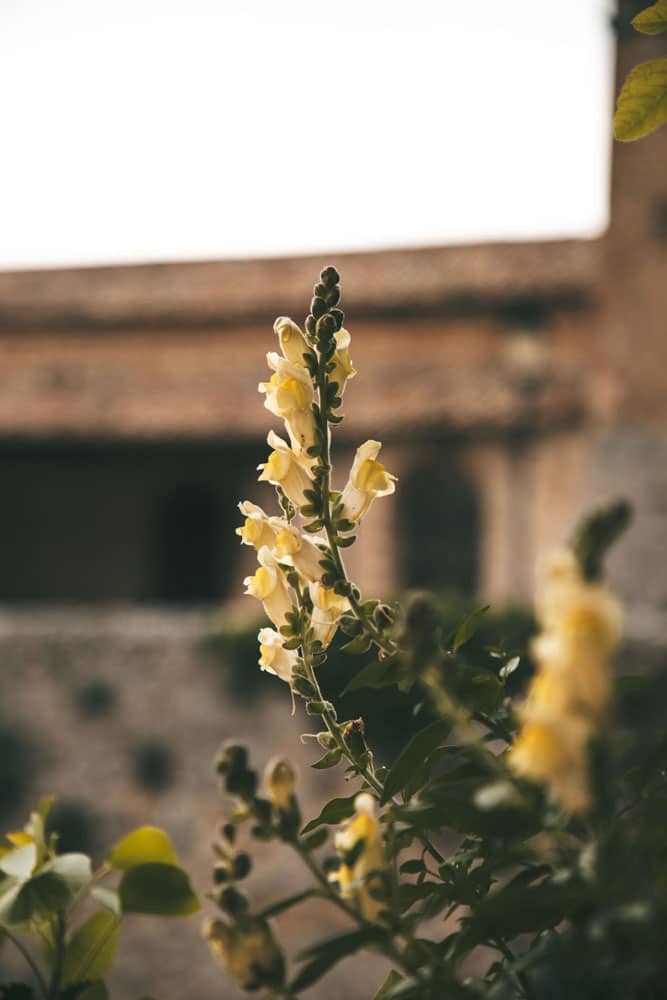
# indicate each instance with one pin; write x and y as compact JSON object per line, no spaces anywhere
{"x":512,"y":385}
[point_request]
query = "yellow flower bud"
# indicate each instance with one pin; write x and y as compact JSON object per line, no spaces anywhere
{"x":247,"y":950}
{"x":280,"y":780}
{"x":344,"y":369}
{"x":293,"y":344}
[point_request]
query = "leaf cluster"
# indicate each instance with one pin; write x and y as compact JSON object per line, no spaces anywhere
{"x":57,"y":902}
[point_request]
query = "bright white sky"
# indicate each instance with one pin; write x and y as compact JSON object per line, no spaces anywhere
{"x":137,"y":130}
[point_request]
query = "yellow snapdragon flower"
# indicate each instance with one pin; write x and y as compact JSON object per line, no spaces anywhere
{"x":368,"y":479}
{"x":571,"y":689}
{"x":273,"y":657}
{"x":268,"y":586}
{"x":247,"y":950}
{"x":287,"y":469}
{"x":359,"y":844}
{"x":328,"y":606}
{"x":292,"y":546}
{"x":289,"y":395}
{"x":258,"y":529}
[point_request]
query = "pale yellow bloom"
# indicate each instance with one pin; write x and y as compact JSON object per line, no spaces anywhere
{"x":289,"y":395}
{"x":258,"y":529}
{"x":273,"y":657}
{"x":328,"y":606}
{"x":359,"y":844}
{"x":571,"y":689}
{"x":344,"y":369}
{"x":286,"y":469}
{"x":293,"y":344}
{"x":368,"y":479}
{"x":280,"y":779}
{"x":268,"y":586}
{"x":554,"y":751}
{"x":247,"y":950}
{"x":297,"y":549}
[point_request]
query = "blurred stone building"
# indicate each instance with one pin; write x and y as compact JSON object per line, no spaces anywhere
{"x":511,"y":384}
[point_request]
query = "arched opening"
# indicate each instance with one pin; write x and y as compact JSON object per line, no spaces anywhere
{"x":440,"y":518}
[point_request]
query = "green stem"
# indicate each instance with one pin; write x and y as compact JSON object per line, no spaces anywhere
{"x":387,"y":944}
{"x":382,"y":642}
{"x":34,"y":968}
{"x":59,"y":956}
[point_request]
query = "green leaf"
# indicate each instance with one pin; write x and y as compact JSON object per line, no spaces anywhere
{"x":328,"y":953}
{"x":19,"y":862}
{"x":380,"y":674}
{"x":467,"y":629}
{"x":157,"y":888}
{"x":16,"y":991}
{"x":420,"y":746}
{"x":519,"y":910}
{"x":85,"y":991}
{"x":642,"y":103}
{"x":334,"y":812}
{"x":652,"y":20}
{"x":38,"y":899}
{"x":393,"y":979}
{"x":94,"y":991}
{"x":107,"y":897}
{"x":90,"y":952}
{"x":360,"y":644}
{"x":74,"y":869}
{"x":330,"y":759}
{"x":145,"y":845}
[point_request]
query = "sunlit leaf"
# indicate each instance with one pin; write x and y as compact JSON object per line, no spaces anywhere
{"x":392,"y":980}
{"x":20,"y":862}
{"x":106,"y":897}
{"x":652,"y":20}
{"x":74,"y":869}
{"x":147,"y":844}
{"x":642,"y":103}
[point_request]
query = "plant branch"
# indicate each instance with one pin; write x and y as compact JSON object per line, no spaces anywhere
{"x":34,"y":968}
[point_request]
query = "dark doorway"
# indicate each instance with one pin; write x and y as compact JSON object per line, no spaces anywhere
{"x":439,"y":514}
{"x":93,"y":522}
